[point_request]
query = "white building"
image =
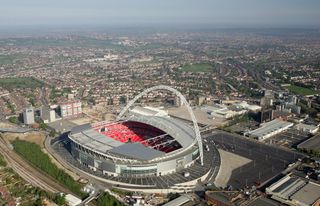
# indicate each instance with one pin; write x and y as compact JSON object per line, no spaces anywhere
{"x":306,"y":128}
{"x":72,"y":200}
{"x":222,"y":111}
{"x":28,"y":115}
{"x":269,"y":129}
{"x":250,"y":107}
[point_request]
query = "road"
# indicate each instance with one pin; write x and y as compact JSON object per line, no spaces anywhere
{"x":27,"y":172}
{"x":43,"y":94}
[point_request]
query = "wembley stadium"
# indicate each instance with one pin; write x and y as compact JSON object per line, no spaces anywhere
{"x":143,"y":149}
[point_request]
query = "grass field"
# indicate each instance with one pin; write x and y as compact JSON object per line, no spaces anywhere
{"x":6,"y":59}
{"x":20,"y":82}
{"x":197,"y":68}
{"x":301,"y":90}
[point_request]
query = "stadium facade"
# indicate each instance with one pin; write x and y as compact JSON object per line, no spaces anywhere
{"x":137,"y":146}
{"x":144,"y":151}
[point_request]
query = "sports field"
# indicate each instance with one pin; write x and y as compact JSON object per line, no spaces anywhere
{"x":301,"y":90}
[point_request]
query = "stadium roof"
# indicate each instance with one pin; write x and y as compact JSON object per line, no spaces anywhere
{"x":183,"y":133}
{"x":87,"y":136}
{"x":137,"y":151}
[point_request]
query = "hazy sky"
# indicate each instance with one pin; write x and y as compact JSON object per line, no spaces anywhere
{"x":131,"y":12}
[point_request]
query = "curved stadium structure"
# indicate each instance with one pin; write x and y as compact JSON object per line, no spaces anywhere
{"x":146,"y":152}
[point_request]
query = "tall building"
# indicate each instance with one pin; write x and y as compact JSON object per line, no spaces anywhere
{"x":200,"y":100}
{"x":28,"y":115}
{"x":268,"y":93}
{"x":292,"y":99}
{"x":266,"y":102}
{"x":71,"y":109}
{"x":266,"y":115}
{"x":48,"y":115}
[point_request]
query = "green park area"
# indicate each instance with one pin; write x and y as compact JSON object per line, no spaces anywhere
{"x":197,"y":68}
{"x":301,"y":90}
{"x":20,"y":82}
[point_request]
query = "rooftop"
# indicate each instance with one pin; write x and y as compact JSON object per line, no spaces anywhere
{"x":179,"y":201}
{"x":269,"y":127}
{"x":263,"y":202}
{"x":312,"y":143}
{"x":308,"y":194}
{"x":87,"y":135}
{"x":137,"y":151}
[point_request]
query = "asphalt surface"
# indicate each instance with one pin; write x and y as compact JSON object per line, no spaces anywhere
{"x":267,"y":161}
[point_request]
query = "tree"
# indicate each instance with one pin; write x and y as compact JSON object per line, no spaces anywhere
{"x":60,"y":199}
{"x":13,"y":120}
{"x":108,"y":200}
{"x":43,"y":125}
{"x":123,"y":99}
{"x":38,"y":202}
{"x":52,"y":133}
{"x":36,"y":157}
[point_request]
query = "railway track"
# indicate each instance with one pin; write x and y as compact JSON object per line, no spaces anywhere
{"x":27,"y":172}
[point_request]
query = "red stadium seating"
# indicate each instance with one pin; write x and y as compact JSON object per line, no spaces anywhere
{"x":134,"y":132}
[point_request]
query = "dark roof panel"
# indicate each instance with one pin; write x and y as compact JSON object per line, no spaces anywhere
{"x":137,"y":151}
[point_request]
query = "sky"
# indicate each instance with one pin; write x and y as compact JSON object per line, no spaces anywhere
{"x":167,"y":12}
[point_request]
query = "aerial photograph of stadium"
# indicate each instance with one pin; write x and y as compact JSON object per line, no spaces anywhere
{"x":146,"y":150}
{"x":159,"y":103}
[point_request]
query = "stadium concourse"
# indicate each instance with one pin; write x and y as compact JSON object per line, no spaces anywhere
{"x":145,"y":150}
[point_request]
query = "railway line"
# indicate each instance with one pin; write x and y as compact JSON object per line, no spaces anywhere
{"x":27,"y":172}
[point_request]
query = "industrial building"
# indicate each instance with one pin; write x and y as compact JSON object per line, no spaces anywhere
{"x":312,"y":129}
{"x":218,"y":198}
{"x":269,"y":129}
{"x":312,"y":143}
{"x":72,"y":200}
{"x":295,"y":191}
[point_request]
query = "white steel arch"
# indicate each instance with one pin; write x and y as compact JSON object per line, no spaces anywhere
{"x":184,"y":101}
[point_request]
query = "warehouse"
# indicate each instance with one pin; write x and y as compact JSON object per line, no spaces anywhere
{"x":269,"y":129}
{"x":293,"y":190}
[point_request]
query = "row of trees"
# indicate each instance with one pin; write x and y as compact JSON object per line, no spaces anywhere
{"x":33,"y":154}
{"x":3,"y":163}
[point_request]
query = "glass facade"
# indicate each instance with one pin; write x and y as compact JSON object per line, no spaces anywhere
{"x":138,"y":171}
